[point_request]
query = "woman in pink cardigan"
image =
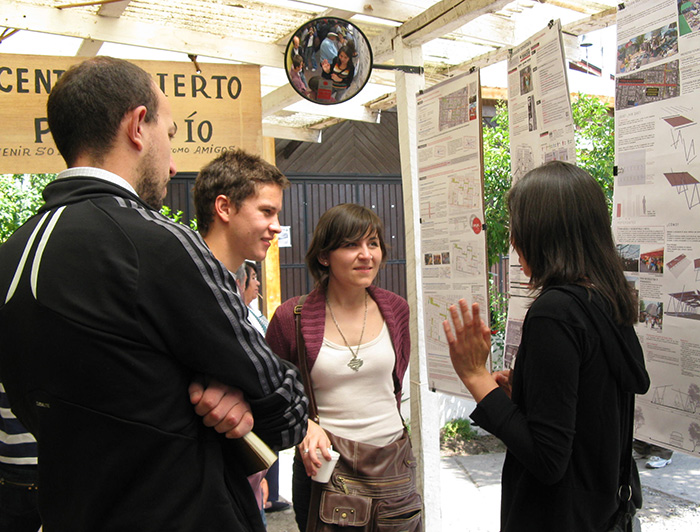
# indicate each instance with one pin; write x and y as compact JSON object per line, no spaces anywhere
{"x":357,"y":343}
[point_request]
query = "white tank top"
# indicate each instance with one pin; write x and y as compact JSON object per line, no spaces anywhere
{"x":358,"y":405}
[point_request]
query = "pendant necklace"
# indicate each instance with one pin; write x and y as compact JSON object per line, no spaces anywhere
{"x":356,"y":362}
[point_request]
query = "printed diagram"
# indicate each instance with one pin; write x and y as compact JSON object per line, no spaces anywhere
{"x":522,"y":161}
{"x":454,"y":109}
{"x":680,"y":137}
{"x":668,"y":399}
{"x":436,"y":311}
{"x":678,"y":264}
{"x":684,"y":304}
{"x":686,"y":184}
{"x":631,"y":168}
{"x":463,"y":192}
{"x":467,"y":259}
{"x":671,"y":398}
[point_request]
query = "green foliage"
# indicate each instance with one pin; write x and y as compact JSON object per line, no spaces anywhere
{"x":457,"y":428}
{"x":595,"y":152}
{"x":177,"y":217}
{"x":497,"y":183}
{"x":595,"y":140}
{"x":20,"y":198}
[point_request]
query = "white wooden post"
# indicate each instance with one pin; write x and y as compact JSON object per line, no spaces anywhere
{"x":424,"y":404}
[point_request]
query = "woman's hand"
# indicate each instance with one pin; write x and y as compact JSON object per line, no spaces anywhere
{"x":504,"y":380}
{"x":325,"y":66}
{"x":470,"y":345}
{"x":316,"y":438}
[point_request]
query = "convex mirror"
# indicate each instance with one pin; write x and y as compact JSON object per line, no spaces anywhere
{"x":328,"y":60}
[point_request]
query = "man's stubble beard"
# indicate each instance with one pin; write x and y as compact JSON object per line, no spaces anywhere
{"x":149,"y":187}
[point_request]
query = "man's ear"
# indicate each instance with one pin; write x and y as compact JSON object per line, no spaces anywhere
{"x":223,"y":208}
{"x":135,"y":119}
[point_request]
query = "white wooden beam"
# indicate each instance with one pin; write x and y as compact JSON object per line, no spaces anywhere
{"x":444,"y":17}
{"x":87,"y":26}
{"x":302,"y":134}
{"x":386,"y":9}
{"x":580,"y":6}
{"x":91,"y":47}
{"x":286,"y":97}
{"x":278,"y":99}
{"x":345,"y":110}
{"x":594,"y":22}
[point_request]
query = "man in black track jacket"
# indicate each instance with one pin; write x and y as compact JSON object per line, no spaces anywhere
{"x":108,"y":311}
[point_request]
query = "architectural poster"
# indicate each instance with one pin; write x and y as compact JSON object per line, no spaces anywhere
{"x":656,"y":208}
{"x":453,"y":242}
{"x":541,"y":130}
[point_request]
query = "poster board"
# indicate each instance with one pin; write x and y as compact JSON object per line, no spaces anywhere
{"x":656,"y":208}
{"x":451,"y":192}
{"x":541,"y":130}
{"x":215,"y":110}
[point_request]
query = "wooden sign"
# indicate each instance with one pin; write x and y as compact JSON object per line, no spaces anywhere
{"x":215,"y":110}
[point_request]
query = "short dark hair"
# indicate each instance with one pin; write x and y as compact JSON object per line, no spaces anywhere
{"x":250,"y":268}
{"x":344,"y":223}
{"x":297,"y":61}
{"x":235,"y":174}
{"x":89,"y":101}
{"x":560,"y":225}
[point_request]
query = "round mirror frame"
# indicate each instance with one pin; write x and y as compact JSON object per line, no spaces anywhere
{"x":316,"y":84}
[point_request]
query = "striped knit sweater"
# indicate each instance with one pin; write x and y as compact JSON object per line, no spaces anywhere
{"x":17,"y":445}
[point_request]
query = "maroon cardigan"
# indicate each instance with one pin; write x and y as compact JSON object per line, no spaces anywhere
{"x":281,"y":333}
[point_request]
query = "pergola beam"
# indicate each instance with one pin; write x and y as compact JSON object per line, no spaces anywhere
{"x":91,"y":47}
{"x":122,"y":31}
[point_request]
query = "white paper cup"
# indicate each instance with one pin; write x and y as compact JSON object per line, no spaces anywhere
{"x":326,"y":470}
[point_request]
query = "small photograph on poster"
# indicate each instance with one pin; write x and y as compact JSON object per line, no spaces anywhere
{"x":688,"y":16}
{"x":655,"y":84}
{"x":531,"y":114}
{"x":526,"y":80}
{"x":630,"y":256}
{"x":651,"y":314}
{"x":652,"y":261}
{"x":648,"y":48}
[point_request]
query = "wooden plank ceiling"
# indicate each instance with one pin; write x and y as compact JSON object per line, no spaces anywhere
{"x":454,"y":34}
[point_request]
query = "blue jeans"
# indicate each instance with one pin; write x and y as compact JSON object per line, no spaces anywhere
{"x":19,"y":510}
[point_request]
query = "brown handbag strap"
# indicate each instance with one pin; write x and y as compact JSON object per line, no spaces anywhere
{"x":303,"y":367}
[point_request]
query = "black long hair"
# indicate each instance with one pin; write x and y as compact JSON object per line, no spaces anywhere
{"x":560,"y":226}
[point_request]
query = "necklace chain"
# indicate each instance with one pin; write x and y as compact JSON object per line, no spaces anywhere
{"x":356,"y":362}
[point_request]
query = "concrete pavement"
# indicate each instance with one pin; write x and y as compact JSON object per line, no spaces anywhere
{"x":471,"y":493}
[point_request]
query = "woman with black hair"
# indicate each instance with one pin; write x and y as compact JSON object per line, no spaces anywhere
{"x":561,"y":410}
